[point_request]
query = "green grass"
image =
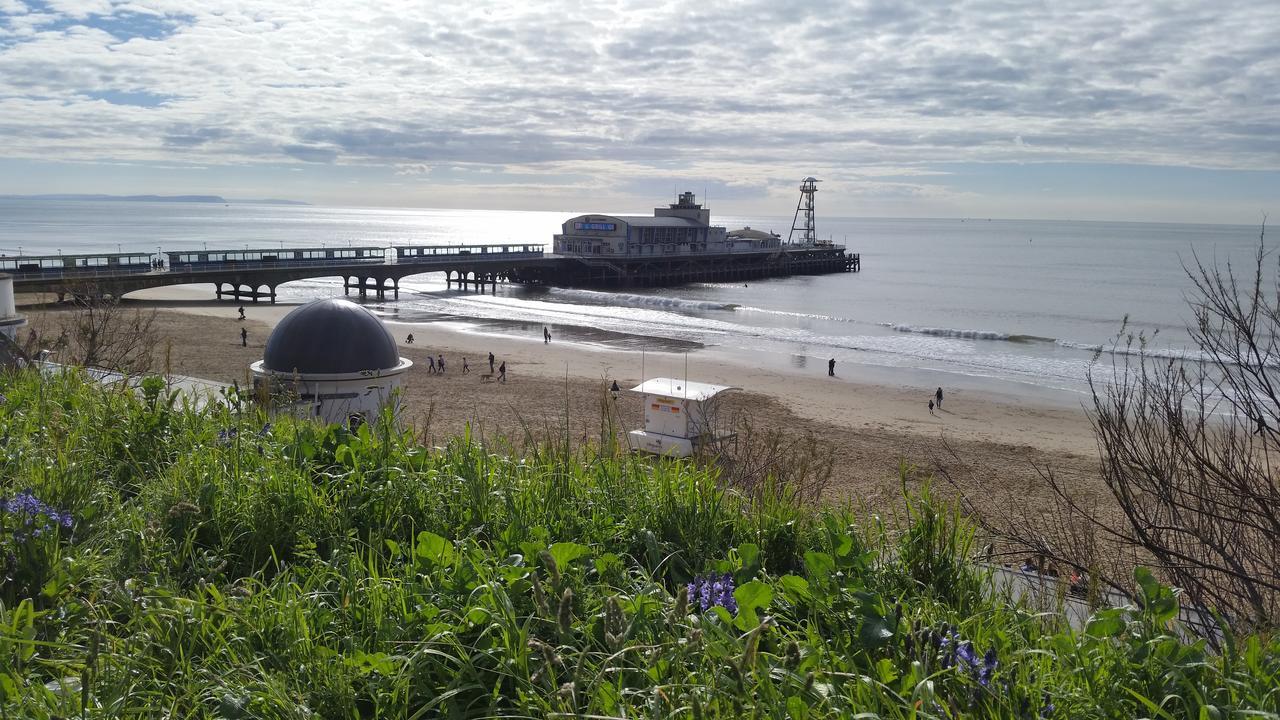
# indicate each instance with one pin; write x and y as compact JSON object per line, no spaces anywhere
{"x":309,"y":572}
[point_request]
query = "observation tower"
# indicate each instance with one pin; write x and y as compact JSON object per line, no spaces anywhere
{"x":805,"y":225}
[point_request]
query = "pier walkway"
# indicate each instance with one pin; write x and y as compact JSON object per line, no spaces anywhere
{"x":467,"y":266}
{"x":255,"y":274}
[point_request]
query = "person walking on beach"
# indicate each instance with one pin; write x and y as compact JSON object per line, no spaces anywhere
{"x":241,"y":312}
{"x":465,"y":367}
{"x":409,"y":340}
{"x":831,"y":367}
{"x":440,"y":363}
{"x":931,"y":406}
{"x":938,"y":398}
{"x":244,"y":338}
{"x":431,"y":365}
{"x":546,"y":335}
{"x":490,"y":363}
{"x":502,"y":371}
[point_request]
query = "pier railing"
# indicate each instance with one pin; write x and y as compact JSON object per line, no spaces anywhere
{"x":412,"y":255}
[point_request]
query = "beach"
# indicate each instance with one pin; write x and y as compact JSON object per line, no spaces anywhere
{"x":991,"y":447}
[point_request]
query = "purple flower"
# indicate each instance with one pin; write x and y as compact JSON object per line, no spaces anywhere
{"x":1046,"y":705}
{"x":710,"y":590}
{"x":989,"y":663}
{"x":34,"y":514}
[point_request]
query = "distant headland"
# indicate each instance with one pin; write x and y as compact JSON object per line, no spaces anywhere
{"x":152,"y":198}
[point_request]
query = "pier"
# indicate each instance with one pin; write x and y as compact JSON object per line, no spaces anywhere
{"x":664,"y":270}
{"x":255,"y":275}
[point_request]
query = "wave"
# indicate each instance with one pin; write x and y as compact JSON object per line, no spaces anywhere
{"x":949,"y":332}
{"x":968,"y":334}
{"x":642,"y":301}
{"x":1165,"y":353}
{"x":787,"y":313}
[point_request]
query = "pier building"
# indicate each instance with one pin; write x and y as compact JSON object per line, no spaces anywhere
{"x":682,"y":228}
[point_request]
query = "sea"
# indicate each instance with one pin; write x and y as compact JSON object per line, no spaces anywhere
{"x":1019,"y":308}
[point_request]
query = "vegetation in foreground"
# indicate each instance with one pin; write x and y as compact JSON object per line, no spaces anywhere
{"x":161,"y":561}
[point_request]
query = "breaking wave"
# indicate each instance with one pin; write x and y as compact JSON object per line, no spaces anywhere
{"x":787,"y":313}
{"x":967,"y":334}
{"x":640,"y":301}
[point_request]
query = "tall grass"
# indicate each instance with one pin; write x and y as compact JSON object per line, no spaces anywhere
{"x":218,"y":566}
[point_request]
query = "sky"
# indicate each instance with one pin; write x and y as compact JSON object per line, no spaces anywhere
{"x":1114,"y":110}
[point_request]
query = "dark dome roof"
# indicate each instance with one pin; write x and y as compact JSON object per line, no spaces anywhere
{"x":330,"y":336}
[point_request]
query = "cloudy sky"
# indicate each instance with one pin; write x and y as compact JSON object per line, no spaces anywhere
{"x":1125,"y":110}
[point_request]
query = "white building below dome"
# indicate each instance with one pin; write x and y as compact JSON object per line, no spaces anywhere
{"x":10,"y":320}
{"x":332,"y":360}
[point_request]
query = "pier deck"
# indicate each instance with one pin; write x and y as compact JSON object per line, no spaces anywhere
{"x":478,"y":267}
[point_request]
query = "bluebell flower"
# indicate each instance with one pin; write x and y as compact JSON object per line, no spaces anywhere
{"x":34,"y":514}
{"x":989,"y":663}
{"x":1046,"y":705}
{"x":708,"y":591}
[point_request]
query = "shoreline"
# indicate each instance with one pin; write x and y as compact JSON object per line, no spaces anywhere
{"x":988,"y":444}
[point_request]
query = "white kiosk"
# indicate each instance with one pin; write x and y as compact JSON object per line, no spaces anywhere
{"x":678,"y":416}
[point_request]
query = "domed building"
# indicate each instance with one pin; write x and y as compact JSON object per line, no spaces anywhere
{"x":330,"y":359}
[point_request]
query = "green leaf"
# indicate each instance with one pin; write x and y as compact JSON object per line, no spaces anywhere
{"x":747,"y":619}
{"x":795,"y":587}
{"x":887,"y":671}
{"x":566,"y":552}
{"x":874,"y":633}
{"x":394,"y":547}
{"x":433,"y":548}
{"x":608,"y":564}
{"x":844,"y":544}
{"x":1106,"y":623}
{"x":1159,"y":603}
{"x":345,"y":456}
{"x":749,"y":554}
{"x":754,"y":595}
{"x":1146,"y":581}
{"x":819,"y":564}
{"x":1159,"y":711}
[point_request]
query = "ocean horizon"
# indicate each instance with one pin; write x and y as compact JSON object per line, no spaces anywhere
{"x":1022,"y":307}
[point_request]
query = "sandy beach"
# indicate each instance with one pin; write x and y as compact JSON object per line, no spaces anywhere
{"x":991,"y":447}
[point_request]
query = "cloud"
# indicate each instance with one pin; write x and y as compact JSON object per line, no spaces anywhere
{"x":413,"y":169}
{"x":628,"y":93}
